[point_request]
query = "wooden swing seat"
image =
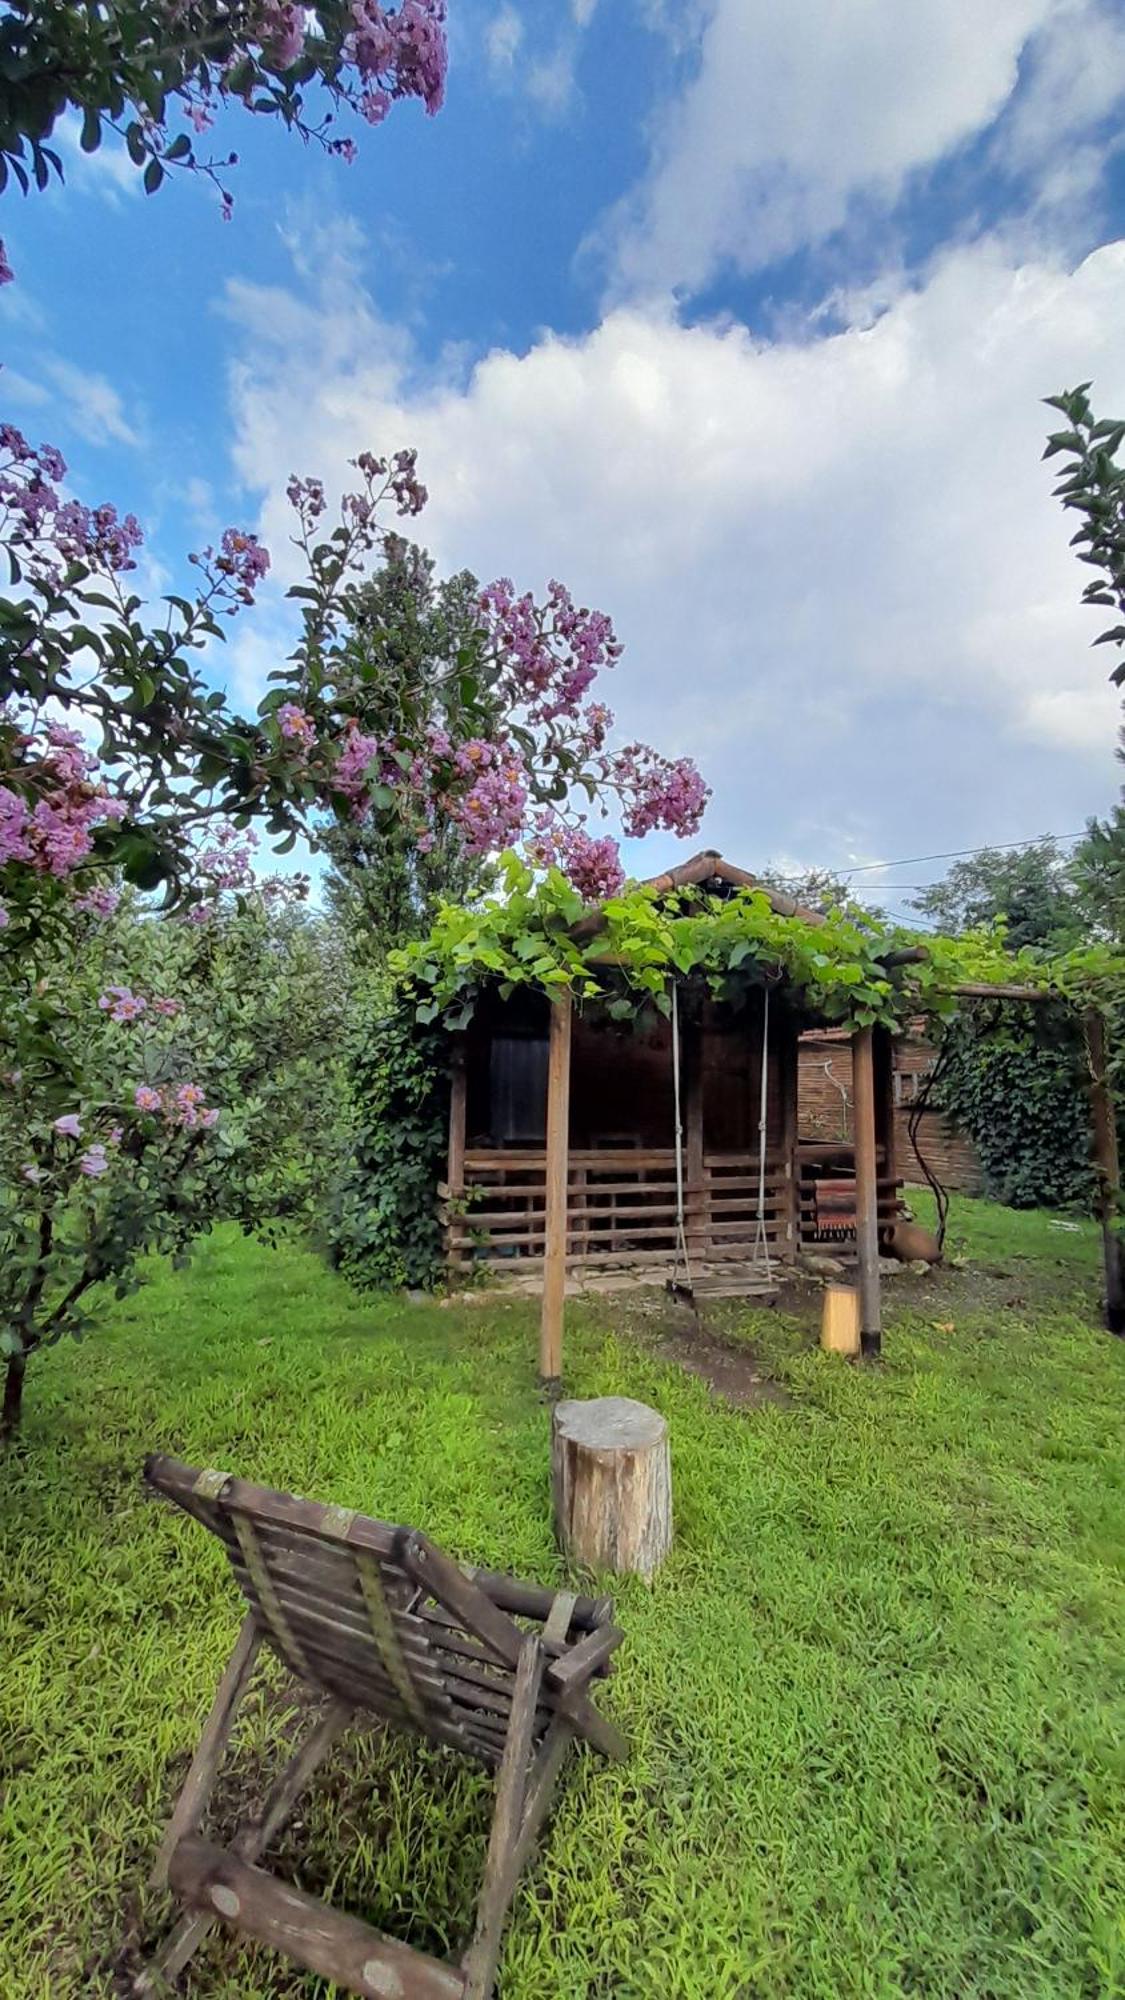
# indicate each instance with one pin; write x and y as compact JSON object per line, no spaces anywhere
{"x":378,"y":1620}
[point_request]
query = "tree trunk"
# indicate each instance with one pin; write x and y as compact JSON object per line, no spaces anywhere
{"x":612,"y":1480}
{"x":13,"y":1398}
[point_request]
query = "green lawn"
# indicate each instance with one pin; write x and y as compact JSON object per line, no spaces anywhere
{"x":875,"y":1698}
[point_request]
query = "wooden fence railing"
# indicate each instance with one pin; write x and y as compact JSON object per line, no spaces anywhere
{"x":621,"y":1208}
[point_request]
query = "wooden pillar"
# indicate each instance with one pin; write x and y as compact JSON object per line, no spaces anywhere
{"x":883,"y":1057}
{"x":788,"y":1077}
{"x":1108,"y":1170}
{"x":698,"y":1222}
{"x":455,"y":1158}
{"x":866,"y":1192}
{"x":555,"y":1199}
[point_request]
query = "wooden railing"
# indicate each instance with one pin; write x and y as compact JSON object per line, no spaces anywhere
{"x":621,"y":1208}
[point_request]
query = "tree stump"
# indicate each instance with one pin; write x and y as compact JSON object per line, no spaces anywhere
{"x":611,"y":1478}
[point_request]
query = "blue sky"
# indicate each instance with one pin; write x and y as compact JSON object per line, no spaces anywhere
{"x":734,"y":316}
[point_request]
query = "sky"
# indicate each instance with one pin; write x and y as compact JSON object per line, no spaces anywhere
{"x":735,"y":317}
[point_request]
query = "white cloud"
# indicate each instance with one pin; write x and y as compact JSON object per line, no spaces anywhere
{"x":841,"y":578}
{"x":108,"y":173}
{"x":93,"y":405}
{"x":798,"y":116}
{"x":502,"y":40}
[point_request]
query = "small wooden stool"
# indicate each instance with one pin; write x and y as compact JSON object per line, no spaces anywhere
{"x":611,"y":1476}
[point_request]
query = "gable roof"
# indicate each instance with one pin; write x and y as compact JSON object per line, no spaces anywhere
{"x":708,"y":871}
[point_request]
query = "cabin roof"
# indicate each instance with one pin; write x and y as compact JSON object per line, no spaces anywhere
{"x":708,"y":871}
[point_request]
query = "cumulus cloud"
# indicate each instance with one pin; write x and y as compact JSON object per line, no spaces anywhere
{"x":835,"y":562}
{"x":799,"y":117}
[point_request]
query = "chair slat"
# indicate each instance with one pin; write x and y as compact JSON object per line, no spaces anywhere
{"x":268,"y":1604}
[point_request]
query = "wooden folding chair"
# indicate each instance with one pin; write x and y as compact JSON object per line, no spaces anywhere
{"x":380,"y":1621}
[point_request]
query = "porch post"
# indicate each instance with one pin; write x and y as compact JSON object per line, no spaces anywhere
{"x":698,"y":1219}
{"x":789,"y":1058}
{"x":1108,"y":1170}
{"x":455,"y":1159}
{"x":866,"y":1192}
{"x":555,"y":1190}
{"x":882,"y":1048}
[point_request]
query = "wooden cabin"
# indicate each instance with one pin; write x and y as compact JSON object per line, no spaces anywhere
{"x":746,"y":1211}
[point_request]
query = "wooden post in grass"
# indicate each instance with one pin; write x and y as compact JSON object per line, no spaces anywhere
{"x":866,"y":1192}
{"x":1108,"y":1170}
{"x":555,"y":1191}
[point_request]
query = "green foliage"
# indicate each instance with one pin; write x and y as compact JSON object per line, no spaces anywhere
{"x":411,"y":638}
{"x":255,"y":1013}
{"x":1093,"y":486}
{"x":1098,"y":870}
{"x":533,"y":934}
{"x":1032,"y":889}
{"x":873,"y":1699}
{"x":383,"y":1227}
{"x":1013,"y":1081}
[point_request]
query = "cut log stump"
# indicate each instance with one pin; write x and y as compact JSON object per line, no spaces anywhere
{"x":611,"y":1476}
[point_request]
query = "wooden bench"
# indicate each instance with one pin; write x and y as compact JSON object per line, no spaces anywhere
{"x":379,"y":1621}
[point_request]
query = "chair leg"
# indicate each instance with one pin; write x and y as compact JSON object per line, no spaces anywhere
{"x":512,"y":1786}
{"x":200,"y":1781}
{"x":249,"y":1844}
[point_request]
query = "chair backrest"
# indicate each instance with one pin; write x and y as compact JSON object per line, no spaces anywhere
{"x":373,"y":1614}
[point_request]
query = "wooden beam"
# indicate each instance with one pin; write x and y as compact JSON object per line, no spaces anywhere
{"x":556,"y":1178}
{"x":455,"y":1162}
{"x":200,"y":1781}
{"x":788,"y":1059}
{"x":866,"y":1192}
{"x":1104,"y":1122}
{"x":341,"y":1948}
{"x":981,"y":990}
{"x":697,"y":1218}
{"x":458,"y":1097}
{"x":883,"y":1056}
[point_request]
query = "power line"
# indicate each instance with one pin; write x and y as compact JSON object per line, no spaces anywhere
{"x":951,"y":854}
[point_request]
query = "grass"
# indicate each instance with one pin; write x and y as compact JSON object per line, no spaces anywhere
{"x":874,"y":1698}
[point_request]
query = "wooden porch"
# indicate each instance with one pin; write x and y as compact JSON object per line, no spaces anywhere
{"x":621,"y":1207}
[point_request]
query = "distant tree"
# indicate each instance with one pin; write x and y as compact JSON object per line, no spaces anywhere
{"x":1032,"y":888}
{"x":1098,"y":872}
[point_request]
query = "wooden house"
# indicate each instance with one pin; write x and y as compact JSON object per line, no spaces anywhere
{"x":726,"y":1191}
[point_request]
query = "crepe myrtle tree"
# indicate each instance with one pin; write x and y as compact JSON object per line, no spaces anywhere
{"x":122,"y":762}
{"x":156,"y":72}
{"x":157,"y":1077}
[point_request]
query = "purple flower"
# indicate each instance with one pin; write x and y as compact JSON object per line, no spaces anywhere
{"x":296,"y":725}
{"x":70,"y":1125}
{"x":146,"y":1098}
{"x":94,"y":1161}
{"x":121,"y":1004}
{"x":32,"y":1172}
{"x":98,"y":902}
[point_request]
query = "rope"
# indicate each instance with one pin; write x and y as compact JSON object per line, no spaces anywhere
{"x":761,"y":1240}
